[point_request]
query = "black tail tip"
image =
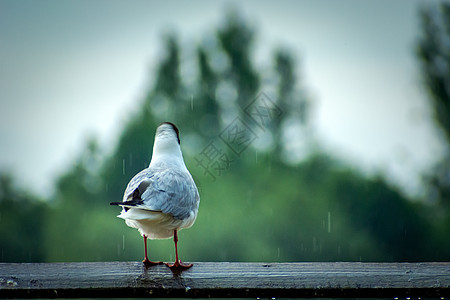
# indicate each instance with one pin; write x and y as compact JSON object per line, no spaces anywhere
{"x":115,"y":203}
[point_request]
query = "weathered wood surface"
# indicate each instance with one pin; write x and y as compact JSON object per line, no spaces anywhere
{"x":221,"y":279}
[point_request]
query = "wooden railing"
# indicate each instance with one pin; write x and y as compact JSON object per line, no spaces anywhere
{"x":223,"y":279}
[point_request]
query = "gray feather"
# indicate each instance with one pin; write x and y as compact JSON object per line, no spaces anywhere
{"x":168,"y":190}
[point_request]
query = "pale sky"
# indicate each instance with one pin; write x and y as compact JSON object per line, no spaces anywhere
{"x":69,"y":69}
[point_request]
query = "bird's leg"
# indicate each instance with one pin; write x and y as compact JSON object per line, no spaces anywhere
{"x":146,"y":261}
{"x":177,"y":265}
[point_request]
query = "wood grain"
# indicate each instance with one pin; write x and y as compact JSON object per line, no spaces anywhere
{"x":224,"y":279}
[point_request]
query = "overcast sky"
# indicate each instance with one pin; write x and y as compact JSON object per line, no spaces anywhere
{"x":69,"y":69}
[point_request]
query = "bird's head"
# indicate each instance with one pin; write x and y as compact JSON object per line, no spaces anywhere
{"x":167,"y":131}
{"x":167,"y":141}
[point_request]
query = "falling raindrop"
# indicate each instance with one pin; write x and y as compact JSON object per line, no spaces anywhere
{"x":123,"y":242}
{"x":329,"y":222}
{"x":315,"y":244}
{"x":192,"y":102}
{"x":123,"y":166}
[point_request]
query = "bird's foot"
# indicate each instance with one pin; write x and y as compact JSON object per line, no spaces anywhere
{"x":148,"y":263}
{"x":178,"y":266}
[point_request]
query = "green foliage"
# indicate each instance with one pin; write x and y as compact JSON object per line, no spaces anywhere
{"x":434,"y":54}
{"x":316,"y":211}
{"x":259,"y":208}
{"x":22,"y":218}
{"x":168,"y":81}
{"x":208,"y":108}
{"x":236,"y":39}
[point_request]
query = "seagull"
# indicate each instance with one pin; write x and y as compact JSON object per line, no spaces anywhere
{"x":162,"y":199}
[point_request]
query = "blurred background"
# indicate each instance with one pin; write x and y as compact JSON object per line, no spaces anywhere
{"x":315,"y":131}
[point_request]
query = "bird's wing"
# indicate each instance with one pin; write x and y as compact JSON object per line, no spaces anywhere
{"x":137,"y":185}
{"x":167,"y":190}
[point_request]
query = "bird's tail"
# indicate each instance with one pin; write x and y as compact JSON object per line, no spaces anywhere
{"x":129,"y":203}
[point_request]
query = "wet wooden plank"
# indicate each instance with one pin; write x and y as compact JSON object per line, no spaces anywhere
{"x":224,"y":279}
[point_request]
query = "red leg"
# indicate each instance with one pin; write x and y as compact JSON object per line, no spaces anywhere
{"x":177,"y":265}
{"x":146,"y":261}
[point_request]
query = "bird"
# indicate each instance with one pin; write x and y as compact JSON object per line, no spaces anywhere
{"x":162,"y":199}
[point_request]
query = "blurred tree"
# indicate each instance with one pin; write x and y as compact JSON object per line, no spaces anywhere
{"x":397,"y":226}
{"x":209,"y":109}
{"x":168,"y":79}
{"x":81,"y":182}
{"x":75,"y":225}
{"x":434,"y":54}
{"x":166,"y":100}
{"x":320,"y":210}
{"x":295,"y":107}
{"x":22,"y":217}
{"x":236,"y":39}
{"x":293,"y":101}
{"x":284,"y":66}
